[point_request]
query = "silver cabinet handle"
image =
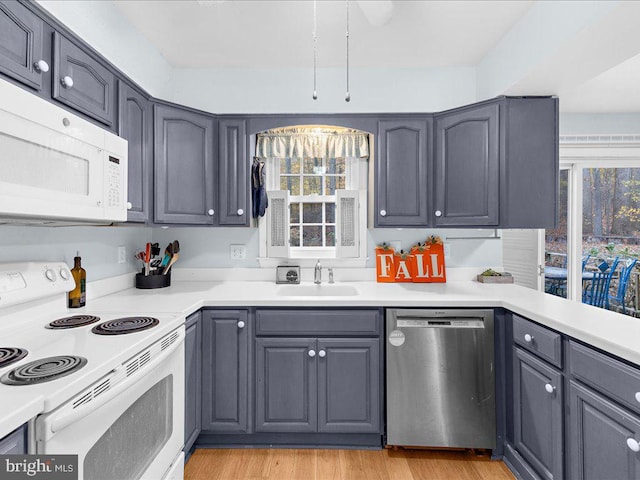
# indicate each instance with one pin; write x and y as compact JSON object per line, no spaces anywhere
{"x":528,"y":338}
{"x":383,"y":213}
{"x":240,"y":324}
{"x":312,"y":353}
{"x":41,"y":66}
{"x":638,"y":397}
{"x":240,"y":212}
{"x":210,"y":212}
{"x":633,"y":445}
{"x":322,"y":353}
{"x":438,"y":213}
{"x":549,"y":388}
{"x":66,"y":81}
{"x":129,"y":205}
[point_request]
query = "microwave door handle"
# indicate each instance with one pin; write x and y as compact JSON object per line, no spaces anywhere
{"x":66,"y":417}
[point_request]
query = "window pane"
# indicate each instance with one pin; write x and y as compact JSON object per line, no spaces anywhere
{"x":312,"y":213}
{"x":312,"y":185}
{"x":555,"y":281}
{"x":290,"y":183}
{"x":312,"y":236}
{"x":330,"y":213}
{"x":313,"y":166}
{"x":295,"y":213}
{"x":336,"y":165}
{"x":290,"y":165}
{"x":331,"y":235}
{"x":294,"y":240}
{"x":332,"y":183}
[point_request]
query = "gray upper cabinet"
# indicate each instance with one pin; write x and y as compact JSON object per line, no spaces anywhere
{"x":193,"y":380}
{"x":184,"y":176}
{"x":21,"y":44}
{"x":225,"y":374}
{"x":135,"y":125}
{"x":234,"y":177}
{"x":81,"y":82}
{"x":538,"y":411}
{"x":466,"y":167}
{"x":402,"y":172}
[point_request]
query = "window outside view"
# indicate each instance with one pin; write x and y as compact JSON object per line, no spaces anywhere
{"x":610,"y":240}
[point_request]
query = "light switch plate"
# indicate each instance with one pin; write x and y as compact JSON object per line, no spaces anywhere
{"x":238,"y":252}
{"x":122,"y":254}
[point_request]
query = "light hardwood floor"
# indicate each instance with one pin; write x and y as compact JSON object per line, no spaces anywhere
{"x":290,"y":464}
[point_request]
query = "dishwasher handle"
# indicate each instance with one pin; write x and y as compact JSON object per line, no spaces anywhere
{"x":440,"y":322}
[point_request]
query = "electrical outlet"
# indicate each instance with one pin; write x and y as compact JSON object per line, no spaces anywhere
{"x":237,"y":252}
{"x":122,"y":254}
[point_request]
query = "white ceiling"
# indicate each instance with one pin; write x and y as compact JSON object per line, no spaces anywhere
{"x":393,"y":34}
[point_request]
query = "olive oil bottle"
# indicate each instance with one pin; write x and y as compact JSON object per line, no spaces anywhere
{"x":78,"y":296}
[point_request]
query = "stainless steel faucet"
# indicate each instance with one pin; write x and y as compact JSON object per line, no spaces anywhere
{"x":317,"y":273}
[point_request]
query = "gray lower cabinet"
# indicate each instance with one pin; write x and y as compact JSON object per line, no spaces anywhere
{"x":467,"y":165}
{"x":538,"y":414}
{"x":184,"y":174}
{"x":402,"y":174}
{"x":225,"y":373}
{"x":135,"y":125}
{"x":193,"y":380}
{"x":233,"y":163}
{"x":599,"y":432}
{"x":21,"y":44}
{"x":81,"y":82}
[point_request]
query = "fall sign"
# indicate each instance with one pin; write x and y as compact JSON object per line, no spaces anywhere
{"x":423,"y":264}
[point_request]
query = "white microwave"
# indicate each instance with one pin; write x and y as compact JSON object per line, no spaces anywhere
{"x":56,"y":167}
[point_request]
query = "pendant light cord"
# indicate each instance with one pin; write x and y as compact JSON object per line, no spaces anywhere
{"x":315,"y":51}
{"x":347,"y":98}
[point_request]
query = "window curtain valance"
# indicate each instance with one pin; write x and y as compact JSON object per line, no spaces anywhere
{"x":312,"y":142}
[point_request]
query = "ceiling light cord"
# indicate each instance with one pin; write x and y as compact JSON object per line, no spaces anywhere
{"x":315,"y":52}
{"x":347,"y":98}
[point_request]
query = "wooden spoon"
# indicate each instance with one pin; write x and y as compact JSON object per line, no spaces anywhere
{"x":173,"y":260}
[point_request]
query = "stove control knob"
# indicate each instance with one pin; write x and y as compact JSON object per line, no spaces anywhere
{"x":50,"y":274}
{"x":64,"y":274}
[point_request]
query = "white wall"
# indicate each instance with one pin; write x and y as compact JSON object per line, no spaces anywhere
{"x":599,"y":123}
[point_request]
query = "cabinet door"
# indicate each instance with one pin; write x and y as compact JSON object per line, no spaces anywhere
{"x":234,"y":177}
{"x":349,"y":385}
{"x":402,"y":173}
{"x":225,"y":371}
{"x":81,"y":82}
{"x":183,"y":163}
{"x":467,"y":167}
{"x":598,"y":434}
{"x":537,"y":419}
{"x":286,"y":385}
{"x":135,"y":126}
{"x":21,"y":44}
{"x":193,"y":382}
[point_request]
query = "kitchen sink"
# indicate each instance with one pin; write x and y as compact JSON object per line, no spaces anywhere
{"x":317,"y":290}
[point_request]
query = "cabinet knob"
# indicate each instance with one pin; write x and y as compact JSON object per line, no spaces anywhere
{"x":633,"y":445}
{"x":129,"y":205}
{"x":240,"y":324}
{"x":66,"y":81}
{"x":638,"y":397}
{"x":528,"y":338}
{"x":210,"y":212}
{"x":240,"y":212}
{"x":383,"y":213}
{"x":438,"y":213}
{"x":312,"y":353}
{"x":322,"y":353}
{"x":549,"y":388}
{"x":66,"y":122}
{"x":41,"y":66}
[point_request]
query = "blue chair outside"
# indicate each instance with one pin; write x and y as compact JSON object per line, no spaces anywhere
{"x":597,"y":292}
{"x":585,"y":260}
{"x":618,"y":297}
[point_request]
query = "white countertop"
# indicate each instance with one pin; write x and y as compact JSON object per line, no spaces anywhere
{"x":612,"y":332}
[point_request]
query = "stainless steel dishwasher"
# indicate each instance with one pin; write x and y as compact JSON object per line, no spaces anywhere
{"x":440,"y":378}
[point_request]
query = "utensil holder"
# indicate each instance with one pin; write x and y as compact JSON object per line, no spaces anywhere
{"x":153,"y":281}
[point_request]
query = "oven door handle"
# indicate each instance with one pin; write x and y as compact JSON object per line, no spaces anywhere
{"x":68,"y":415}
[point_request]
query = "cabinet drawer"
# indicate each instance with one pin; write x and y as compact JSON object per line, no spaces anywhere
{"x":15,"y":443}
{"x":538,"y":340}
{"x":612,"y":377}
{"x":318,"y":322}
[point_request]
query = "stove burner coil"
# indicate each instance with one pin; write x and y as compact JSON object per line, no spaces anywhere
{"x":10,"y":355}
{"x":43,"y":370}
{"x":121,"y":326}
{"x":72,"y":322}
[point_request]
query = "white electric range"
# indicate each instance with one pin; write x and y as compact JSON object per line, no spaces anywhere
{"x":110,"y":381}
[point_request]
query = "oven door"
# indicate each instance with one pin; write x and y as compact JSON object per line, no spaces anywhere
{"x":132,"y":425}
